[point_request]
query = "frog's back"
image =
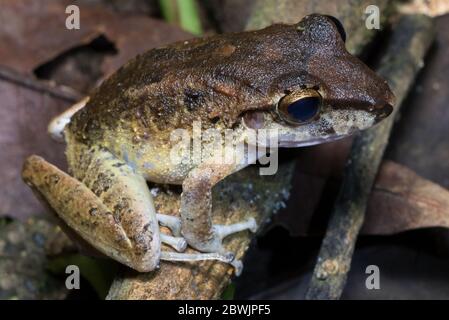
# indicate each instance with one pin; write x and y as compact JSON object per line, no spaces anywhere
{"x":205,"y":79}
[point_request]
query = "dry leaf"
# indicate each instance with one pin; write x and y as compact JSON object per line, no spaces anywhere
{"x":26,"y":109}
{"x":34,"y":33}
{"x":402,"y":200}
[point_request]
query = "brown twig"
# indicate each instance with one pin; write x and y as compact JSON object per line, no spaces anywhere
{"x":60,"y":92}
{"x":408,"y":45}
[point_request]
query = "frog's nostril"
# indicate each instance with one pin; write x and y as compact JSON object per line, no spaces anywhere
{"x":389,"y":96}
{"x":382,"y":109}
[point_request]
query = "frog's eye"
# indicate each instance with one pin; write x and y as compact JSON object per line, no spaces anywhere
{"x":340,"y":28}
{"x":300,"y":107}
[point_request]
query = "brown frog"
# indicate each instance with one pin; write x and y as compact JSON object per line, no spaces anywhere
{"x":296,"y":80}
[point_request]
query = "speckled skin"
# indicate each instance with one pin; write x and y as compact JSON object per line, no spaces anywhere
{"x":216,"y":80}
{"x":122,"y":136}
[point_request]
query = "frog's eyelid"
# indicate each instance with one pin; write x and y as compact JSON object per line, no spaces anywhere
{"x":303,"y":87}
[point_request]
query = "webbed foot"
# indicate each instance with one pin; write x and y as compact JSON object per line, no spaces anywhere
{"x":215,"y":250}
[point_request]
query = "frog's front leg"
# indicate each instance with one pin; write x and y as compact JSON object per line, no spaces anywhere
{"x":196,"y":208}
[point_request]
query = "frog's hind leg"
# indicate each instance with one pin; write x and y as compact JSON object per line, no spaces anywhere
{"x":109,"y":206}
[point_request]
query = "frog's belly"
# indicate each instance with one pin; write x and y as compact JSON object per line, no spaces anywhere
{"x":166,"y":175}
{"x":163,"y":171}
{"x":154,"y":162}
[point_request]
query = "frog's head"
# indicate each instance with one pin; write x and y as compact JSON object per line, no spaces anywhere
{"x":331,"y":95}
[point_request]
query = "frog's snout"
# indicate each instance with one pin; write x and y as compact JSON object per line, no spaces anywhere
{"x":384,"y":106}
{"x":382,"y":110}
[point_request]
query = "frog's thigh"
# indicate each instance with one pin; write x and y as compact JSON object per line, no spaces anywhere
{"x":111,"y":209}
{"x":196,"y":209}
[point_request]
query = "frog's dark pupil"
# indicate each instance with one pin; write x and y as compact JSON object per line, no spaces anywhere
{"x":304,"y":109}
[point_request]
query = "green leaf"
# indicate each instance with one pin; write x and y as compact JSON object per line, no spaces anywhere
{"x":229,"y":292}
{"x":183,"y":13}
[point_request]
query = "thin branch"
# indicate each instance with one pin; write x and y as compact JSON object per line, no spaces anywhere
{"x":60,"y":92}
{"x":408,"y":45}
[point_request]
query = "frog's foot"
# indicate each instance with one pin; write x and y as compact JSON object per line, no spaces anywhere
{"x":171,"y":222}
{"x":179,"y":243}
{"x":215,"y":245}
{"x":220,"y":232}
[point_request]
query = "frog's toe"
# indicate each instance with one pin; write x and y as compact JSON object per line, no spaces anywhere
{"x":176,"y":256}
{"x":219,"y":232}
{"x":171,"y":222}
{"x":222,"y":231}
{"x":238,"y":266}
{"x":178,"y":243}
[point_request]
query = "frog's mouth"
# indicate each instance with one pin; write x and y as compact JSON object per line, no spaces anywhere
{"x":383,"y":112}
{"x":311,"y":142}
{"x":332,"y":124}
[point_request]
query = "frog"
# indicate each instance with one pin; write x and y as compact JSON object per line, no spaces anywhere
{"x":297,"y":80}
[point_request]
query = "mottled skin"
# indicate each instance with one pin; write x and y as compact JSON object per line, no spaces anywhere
{"x":122,"y":136}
